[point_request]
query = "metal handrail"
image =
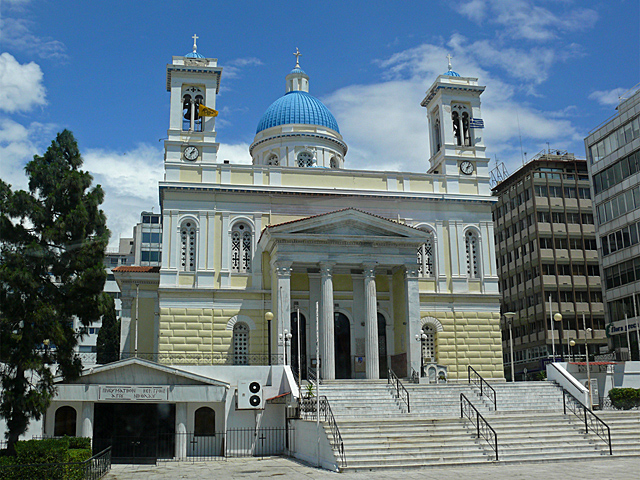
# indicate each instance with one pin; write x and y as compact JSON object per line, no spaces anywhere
{"x":589,"y":418}
{"x":479,"y":381}
{"x":312,"y":376}
{"x":483,"y":429}
{"x":308,"y":410}
{"x":401,"y":391}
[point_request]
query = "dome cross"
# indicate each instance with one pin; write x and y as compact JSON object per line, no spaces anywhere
{"x":195,"y":47}
{"x":449,"y":57}
{"x":297,"y":55}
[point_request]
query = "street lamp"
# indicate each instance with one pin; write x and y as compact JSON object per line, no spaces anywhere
{"x":421,"y":337}
{"x":586,"y":351}
{"x":268,"y":316}
{"x":285,"y":339}
{"x":509,"y":316}
{"x":558,"y":318}
{"x":572,"y":344}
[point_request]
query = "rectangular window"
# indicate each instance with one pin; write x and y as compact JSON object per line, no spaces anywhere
{"x":573,"y":217}
{"x":596,"y":297}
{"x":155,"y":219}
{"x":578,"y":269}
{"x":564,"y":269}
{"x":146,"y":219}
{"x":633,"y":233}
{"x":548,"y":269}
{"x":561,"y":243}
{"x":584,"y":192}
{"x":155,"y":237}
{"x":557,"y":217}
{"x":570,"y":192}
{"x":544,"y":217}
{"x":144,"y":255}
{"x":146,"y":237}
{"x":587,"y":218}
{"x":546,"y":242}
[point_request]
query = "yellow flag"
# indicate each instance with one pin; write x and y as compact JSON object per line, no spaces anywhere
{"x":204,"y":111}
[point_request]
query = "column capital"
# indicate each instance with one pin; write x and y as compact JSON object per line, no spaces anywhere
{"x":369,"y":269}
{"x":326,"y":268}
{"x":282,"y":269}
{"x":411,"y":271}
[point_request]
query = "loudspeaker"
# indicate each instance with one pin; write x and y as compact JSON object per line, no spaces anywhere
{"x":250,"y":395}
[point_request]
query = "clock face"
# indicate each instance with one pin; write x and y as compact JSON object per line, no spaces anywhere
{"x":191,"y":153}
{"x":466,"y":167}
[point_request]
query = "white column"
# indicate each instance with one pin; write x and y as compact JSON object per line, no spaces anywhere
{"x":413,"y":318}
{"x":283,"y":304}
{"x":181,"y":430}
{"x":87,"y":420}
{"x":372,"y":366}
{"x":327,"y":335}
{"x":125,"y":321}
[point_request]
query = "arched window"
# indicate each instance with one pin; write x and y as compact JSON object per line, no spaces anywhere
{"x":305,"y":159}
{"x":425,"y":256}
{"x":333,"y":163}
{"x":241,"y":248}
{"x":429,"y":343}
{"x":455,"y":118}
{"x":188,"y":246}
{"x":65,"y":422}
{"x":273,"y":160}
{"x":191,"y":119}
{"x":240,"y":344}
{"x":204,"y":422}
{"x":436,"y":135}
{"x":473,"y":257}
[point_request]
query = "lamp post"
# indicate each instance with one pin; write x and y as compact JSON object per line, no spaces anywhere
{"x":285,"y":339}
{"x":268,"y":316}
{"x":509,"y":316}
{"x":556,"y":318}
{"x":586,"y":351}
{"x":421,"y":337}
{"x":572,"y":344}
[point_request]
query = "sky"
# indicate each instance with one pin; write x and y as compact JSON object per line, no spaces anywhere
{"x":553,"y":71}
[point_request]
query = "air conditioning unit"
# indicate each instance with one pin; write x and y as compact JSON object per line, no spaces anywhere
{"x":250,"y":396}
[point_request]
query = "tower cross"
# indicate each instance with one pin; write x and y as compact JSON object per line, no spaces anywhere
{"x":195,"y":47}
{"x":297,"y":55}
{"x":449,"y":57}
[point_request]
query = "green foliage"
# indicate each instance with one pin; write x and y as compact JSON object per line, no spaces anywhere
{"x":108,"y":343}
{"x":52,"y":241}
{"x":309,"y":389}
{"x":541,"y":376}
{"x":50,"y":450}
{"x":624,"y":398}
{"x":79,"y":443}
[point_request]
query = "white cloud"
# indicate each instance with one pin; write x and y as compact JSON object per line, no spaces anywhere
{"x":18,"y":145}
{"x":609,"y":98}
{"x":233,"y":68}
{"x":236,"y":153}
{"x":17,"y":34}
{"x":386,"y":128}
{"x":130,"y":181}
{"x":523,"y":19}
{"x":20,"y":85}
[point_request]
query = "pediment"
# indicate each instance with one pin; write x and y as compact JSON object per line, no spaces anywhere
{"x":345,"y":223}
{"x":135,"y":371}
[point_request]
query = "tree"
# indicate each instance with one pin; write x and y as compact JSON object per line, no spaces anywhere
{"x":108,"y":343}
{"x":52,"y":242}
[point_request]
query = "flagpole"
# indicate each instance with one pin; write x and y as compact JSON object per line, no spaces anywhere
{"x":318,"y":383}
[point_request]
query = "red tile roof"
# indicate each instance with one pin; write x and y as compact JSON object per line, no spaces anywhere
{"x":132,"y":269}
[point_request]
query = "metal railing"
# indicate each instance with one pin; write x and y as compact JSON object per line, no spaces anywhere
{"x":483,"y":429}
{"x":587,"y":416}
{"x":485,"y":388}
{"x":312,"y":375}
{"x":93,"y":468}
{"x":401,"y":391}
{"x":309,"y":410}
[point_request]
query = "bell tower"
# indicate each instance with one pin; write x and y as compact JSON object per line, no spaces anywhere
{"x":191,"y":148}
{"x":455,"y":126}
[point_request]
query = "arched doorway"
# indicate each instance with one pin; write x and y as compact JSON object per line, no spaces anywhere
{"x":342,"y":332}
{"x":303,"y":343}
{"x":382,"y":345}
{"x":65,"y":422}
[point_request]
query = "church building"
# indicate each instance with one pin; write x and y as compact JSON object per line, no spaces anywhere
{"x":400,"y":264}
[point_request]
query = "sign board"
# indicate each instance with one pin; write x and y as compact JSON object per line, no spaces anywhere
{"x":133,"y":393}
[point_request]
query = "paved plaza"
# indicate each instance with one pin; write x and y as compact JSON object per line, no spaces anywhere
{"x":606,"y":468}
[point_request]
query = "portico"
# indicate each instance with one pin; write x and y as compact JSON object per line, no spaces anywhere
{"x":363,"y":250}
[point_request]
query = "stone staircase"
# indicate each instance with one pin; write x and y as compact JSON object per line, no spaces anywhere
{"x":530,"y":425}
{"x":625,"y":430}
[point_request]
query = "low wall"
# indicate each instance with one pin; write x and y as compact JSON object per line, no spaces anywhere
{"x":309,"y":449}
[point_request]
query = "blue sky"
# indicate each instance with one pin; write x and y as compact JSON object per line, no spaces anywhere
{"x":98,"y":68}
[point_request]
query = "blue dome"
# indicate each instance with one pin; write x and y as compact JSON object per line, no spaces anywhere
{"x":451,"y":73}
{"x":297,"y":107}
{"x":194,"y":55}
{"x":297,"y":70}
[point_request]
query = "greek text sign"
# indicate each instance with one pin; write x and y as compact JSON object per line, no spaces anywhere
{"x":133,"y":393}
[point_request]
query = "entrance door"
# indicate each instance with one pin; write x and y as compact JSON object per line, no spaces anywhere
{"x":382,"y":345}
{"x":303,"y":343}
{"x":342,"y":332}
{"x":137,"y":433}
